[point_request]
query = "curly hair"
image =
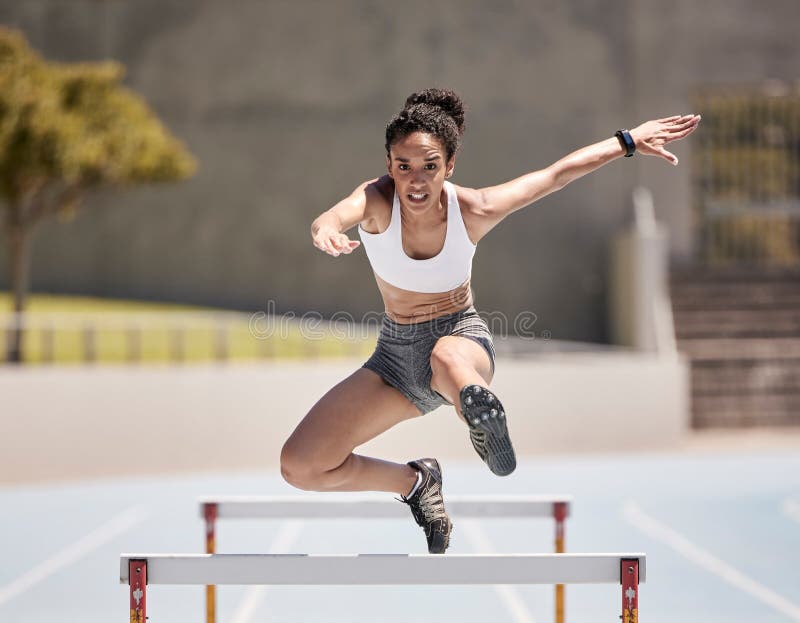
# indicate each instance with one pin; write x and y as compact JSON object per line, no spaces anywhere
{"x":439,"y":112}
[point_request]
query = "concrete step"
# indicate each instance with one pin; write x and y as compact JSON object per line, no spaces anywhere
{"x":742,"y":349}
{"x":749,"y":293}
{"x":739,"y":289}
{"x":732,"y":378}
{"x":734,"y":274}
{"x":747,"y":410}
{"x":722,"y":323}
{"x":702,"y":302}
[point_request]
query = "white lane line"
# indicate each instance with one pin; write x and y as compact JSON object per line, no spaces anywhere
{"x":791,"y":509}
{"x":255,"y":594}
{"x":73,"y":553}
{"x":658,"y":531}
{"x":509,"y":595}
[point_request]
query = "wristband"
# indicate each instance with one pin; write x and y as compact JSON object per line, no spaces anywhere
{"x":627,"y":142}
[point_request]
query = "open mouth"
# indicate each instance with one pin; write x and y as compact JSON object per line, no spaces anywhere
{"x":417,"y":197}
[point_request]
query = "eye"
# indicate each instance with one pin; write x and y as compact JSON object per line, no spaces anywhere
{"x":431,"y":166}
{"x":403,"y":167}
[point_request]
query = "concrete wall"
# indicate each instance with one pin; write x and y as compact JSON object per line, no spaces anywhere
{"x":83,"y":422}
{"x":285,"y":103}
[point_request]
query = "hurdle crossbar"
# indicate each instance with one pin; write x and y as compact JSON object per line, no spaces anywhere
{"x":360,"y":506}
{"x":366,"y":507}
{"x":139,"y":570}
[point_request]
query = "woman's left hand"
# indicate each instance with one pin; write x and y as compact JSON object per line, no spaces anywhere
{"x":651,"y":136}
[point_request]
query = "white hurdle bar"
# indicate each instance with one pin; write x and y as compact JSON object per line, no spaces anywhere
{"x":360,"y":506}
{"x":139,"y":570}
{"x":341,"y":506}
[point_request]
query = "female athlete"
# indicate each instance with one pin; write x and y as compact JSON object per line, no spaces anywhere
{"x":420,"y":232}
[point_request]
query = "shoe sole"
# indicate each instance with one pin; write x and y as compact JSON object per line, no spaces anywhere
{"x":485,"y":413}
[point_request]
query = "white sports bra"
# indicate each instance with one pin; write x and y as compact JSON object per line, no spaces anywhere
{"x":440,"y":273}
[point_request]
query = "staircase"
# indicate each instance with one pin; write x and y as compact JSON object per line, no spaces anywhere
{"x":741,"y":330}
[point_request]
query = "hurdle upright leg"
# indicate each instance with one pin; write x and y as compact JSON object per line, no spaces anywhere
{"x":560,"y":515}
{"x":210,"y":514}
{"x":137,"y":579}
{"x":629,"y":577}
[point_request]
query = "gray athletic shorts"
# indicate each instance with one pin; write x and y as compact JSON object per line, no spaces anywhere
{"x":402,"y":357}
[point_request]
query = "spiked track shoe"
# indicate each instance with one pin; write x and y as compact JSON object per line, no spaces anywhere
{"x":427,"y":506}
{"x":488,"y":429}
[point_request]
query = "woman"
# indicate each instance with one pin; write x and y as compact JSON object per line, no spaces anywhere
{"x":420,"y":231}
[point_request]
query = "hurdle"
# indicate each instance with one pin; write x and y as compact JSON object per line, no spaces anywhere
{"x":139,"y":570}
{"x":359,"y":506}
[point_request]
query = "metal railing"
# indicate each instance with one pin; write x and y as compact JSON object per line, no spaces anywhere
{"x":173,"y":337}
{"x":746,"y":175}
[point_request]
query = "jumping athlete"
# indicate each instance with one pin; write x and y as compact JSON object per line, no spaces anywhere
{"x":420,"y":232}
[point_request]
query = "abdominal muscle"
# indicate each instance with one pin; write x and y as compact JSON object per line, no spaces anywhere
{"x":407,"y":307}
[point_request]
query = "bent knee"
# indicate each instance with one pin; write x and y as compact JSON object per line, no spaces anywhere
{"x":302,"y":469}
{"x":445,"y":356}
{"x":295,"y":467}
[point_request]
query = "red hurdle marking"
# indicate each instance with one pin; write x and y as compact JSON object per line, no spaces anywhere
{"x":137,"y":574}
{"x":629,"y":577}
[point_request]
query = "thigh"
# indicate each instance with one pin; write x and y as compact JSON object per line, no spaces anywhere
{"x":475,"y":353}
{"x":459,"y":350}
{"x":351,"y":413}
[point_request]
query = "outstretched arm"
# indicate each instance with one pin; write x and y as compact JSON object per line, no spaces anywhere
{"x":497,"y":202}
{"x":327,"y":230}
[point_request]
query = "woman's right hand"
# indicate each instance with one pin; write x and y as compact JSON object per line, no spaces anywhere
{"x":651,"y":136}
{"x":332,"y":242}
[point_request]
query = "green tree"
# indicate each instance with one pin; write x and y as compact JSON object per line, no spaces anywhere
{"x":66,"y":129}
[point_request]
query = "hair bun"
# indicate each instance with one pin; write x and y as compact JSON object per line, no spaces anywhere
{"x":447,"y":100}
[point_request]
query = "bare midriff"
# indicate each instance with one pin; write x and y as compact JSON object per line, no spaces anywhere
{"x":407,"y":307}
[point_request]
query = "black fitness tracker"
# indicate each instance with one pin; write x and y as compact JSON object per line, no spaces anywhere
{"x":626,"y":140}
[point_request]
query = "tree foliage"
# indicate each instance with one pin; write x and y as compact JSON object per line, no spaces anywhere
{"x":67,"y":128}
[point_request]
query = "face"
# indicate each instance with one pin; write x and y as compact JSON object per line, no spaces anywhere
{"x":417,"y":163}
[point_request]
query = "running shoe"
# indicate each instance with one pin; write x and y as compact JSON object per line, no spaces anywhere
{"x":488,"y":429}
{"x":427,"y":506}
